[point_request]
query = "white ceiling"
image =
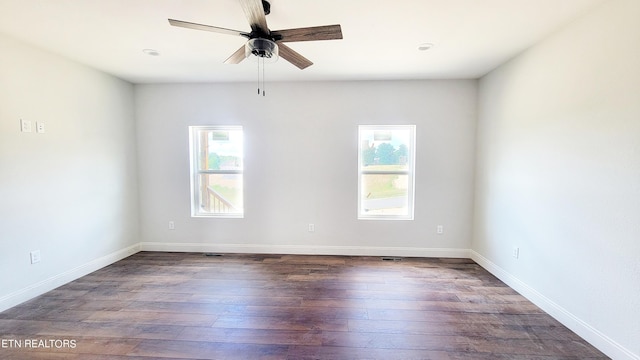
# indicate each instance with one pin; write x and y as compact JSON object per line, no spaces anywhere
{"x":471,"y":37}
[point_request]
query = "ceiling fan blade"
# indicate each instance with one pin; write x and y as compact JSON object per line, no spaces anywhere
{"x":254,"y":11}
{"x":293,"y":57}
{"x":190,"y":25}
{"x":236,"y":57}
{"x":327,"y":32}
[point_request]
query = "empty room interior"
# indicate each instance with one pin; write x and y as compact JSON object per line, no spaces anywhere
{"x":379,"y":180}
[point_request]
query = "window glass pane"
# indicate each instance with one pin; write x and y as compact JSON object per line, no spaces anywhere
{"x":220,"y":149}
{"x":216,"y":171}
{"x":383,"y":194}
{"x":385,"y":150}
{"x":386,"y":172}
{"x":221,"y":193}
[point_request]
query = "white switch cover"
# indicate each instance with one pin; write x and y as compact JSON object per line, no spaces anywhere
{"x":25,"y":125}
{"x":39,"y":127}
{"x":35,"y":256}
{"x":172,"y":225}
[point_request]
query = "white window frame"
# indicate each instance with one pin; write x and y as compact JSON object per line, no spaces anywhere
{"x":410,"y":172}
{"x":196,"y":172}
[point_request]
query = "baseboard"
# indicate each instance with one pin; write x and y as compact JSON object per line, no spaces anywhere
{"x":584,"y":330}
{"x":305,"y":250}
{"x":30,"y":292}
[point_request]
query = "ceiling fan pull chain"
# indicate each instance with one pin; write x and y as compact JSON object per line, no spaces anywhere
{"x":263,"y":82}
{"x":258,"y":77}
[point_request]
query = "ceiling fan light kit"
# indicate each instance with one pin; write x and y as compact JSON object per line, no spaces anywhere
{"x":264,"y":44}
{"x":263,"y":49}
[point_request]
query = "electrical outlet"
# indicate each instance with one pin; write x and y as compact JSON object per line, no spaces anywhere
{"x":440,"y":229}
{"x":515,"y":252}
{"x":39,"y":127}
{"x":312,"y":228}
{"x":35,"y":256}
{"x":172,"y":225}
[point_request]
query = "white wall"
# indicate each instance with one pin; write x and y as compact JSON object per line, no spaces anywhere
{"x":301,"y":156}
{"x":70,"y":192}
{"x":558,"y":175}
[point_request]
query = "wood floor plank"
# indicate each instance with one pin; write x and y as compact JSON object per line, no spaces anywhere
{"x":208,"y":350}
{"x":62,"y":329}
{"x":152,"y":318}
{"x":252,"y":336}
{"x":190,"y":306}
{"x":291,"y":322}
{"x":350,"y":353}
{"x":313,"y":312}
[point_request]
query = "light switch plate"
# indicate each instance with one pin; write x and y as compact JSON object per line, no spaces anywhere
{"x":35,"y":256}
{"x":25,"y":126}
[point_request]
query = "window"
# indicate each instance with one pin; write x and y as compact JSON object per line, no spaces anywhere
{"x":385,"y":172}
{"x":216,"y":171}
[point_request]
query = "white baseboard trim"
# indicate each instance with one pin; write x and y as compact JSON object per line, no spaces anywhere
{"x":584,"y":330}
{"x":31,"y":291}
{"x":305,"y":250}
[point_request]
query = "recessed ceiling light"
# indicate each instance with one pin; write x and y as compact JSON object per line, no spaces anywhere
{"x":151,"y":52}
{"x":425,"y":46}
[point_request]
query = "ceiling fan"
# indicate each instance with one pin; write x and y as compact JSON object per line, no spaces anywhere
{"x":264,"y":43}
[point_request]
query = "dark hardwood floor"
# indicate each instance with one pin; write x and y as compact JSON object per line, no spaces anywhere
{"x":191,"y":306}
